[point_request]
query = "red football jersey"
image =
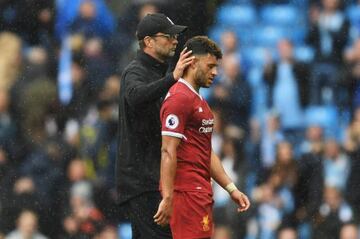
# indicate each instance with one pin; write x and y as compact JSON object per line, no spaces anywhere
{"x":186,"y":115}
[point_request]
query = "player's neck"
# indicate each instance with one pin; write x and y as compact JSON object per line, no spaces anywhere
{"x":192,"y":82}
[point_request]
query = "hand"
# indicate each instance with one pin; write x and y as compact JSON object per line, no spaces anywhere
{"x":184,"y":61}
{"x":162,"y":216}
{"x":240,"y":199}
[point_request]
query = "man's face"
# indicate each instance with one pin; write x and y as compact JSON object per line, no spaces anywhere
{"x":206,"y":70}
{"x":349,"y":232}
{"x":285,"y":50}
{"x":165,"y":45}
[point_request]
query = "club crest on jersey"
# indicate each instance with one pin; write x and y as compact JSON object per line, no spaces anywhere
{"x":172,"y":121}
{"x":205,"y":223}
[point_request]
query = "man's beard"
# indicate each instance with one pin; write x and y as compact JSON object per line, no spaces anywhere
{"x":200,"y":79}
{"x":165,"y":55}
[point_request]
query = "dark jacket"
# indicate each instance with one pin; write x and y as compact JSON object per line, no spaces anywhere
{"x":339,"y":41}
{"x":301,"y":74}
{"x":143,"y":86}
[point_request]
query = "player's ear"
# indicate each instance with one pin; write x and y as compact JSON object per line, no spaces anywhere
{"x":191,"y":66}
{"x":194,"y":62}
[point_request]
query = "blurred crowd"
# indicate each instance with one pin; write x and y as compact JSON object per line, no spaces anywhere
{"x":287,"y":128}
{"x":287,"y":121}
{"x":60,"y":68}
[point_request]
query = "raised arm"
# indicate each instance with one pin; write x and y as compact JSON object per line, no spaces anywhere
{"x":139,"y":91}
{"x":219,"y":175}
{"x":167,"y":177}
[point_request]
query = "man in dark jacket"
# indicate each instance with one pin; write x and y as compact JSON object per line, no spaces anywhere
{"x":144,"y":83}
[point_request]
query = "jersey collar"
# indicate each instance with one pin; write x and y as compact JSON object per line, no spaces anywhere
{"x":181,"y":80}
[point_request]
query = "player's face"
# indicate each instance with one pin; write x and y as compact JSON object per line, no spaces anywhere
{"x":206,"y":70}
{"x":165,"y":45}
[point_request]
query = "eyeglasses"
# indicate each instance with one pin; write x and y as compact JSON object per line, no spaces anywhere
{"x":167,"y":36}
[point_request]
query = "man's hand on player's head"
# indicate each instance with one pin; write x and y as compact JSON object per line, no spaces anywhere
{"x":163,"y":214}
{"x":184,"y":61}
{"x":241,"y":200}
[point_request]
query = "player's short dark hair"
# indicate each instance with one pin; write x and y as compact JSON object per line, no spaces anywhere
{"x":202,"y":45}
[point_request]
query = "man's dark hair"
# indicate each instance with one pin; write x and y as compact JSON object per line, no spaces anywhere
{"x":141,"y":44}
{"x":202,"y":45}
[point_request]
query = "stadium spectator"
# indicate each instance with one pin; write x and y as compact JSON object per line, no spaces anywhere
{"x":270,"y":137}
{"x":91,"y":18}
{"x":10,"y":60}
{"x":232,"y":93}
{"x":229,"y":43}
{"x":274,"y":202}
{"x":288,"y":90}
{"x":336,"y":166}
{"x":349,"y":231}
{"x":8,"y":128}
{"x":96,"y":65}
{"x":222,"y":232}
{"x":23,"y":196}
{"x":351,"y":77}
{"x":309,"y":189}
{"x":27,"y":227}
{"x":314,"y":140}
{"x":287,"y":233}
{"x":328,"y":34}
{"x":333,"y":212}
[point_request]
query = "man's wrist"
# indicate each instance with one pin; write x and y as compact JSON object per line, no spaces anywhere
{"x":231,"y":187}
{"x":167,"y":197}
{"x":175,"y":77}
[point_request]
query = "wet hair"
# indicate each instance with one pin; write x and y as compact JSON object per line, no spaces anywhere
{"x":202,"y":45}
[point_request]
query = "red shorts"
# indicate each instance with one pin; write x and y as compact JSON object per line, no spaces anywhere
{"x":192,"y":215}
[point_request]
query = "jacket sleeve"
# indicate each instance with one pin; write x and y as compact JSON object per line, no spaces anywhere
{"x":269,"y":78}
{"x":303,"y":77}
{"x":138,"y":91}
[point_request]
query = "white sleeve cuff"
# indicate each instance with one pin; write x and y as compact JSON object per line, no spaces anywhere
{"x":173,"y":134}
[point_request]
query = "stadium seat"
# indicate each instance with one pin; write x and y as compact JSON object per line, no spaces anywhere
{"x":268,"y":36}
{"x":303,"y":4}
{"x":353,"y":14}
{"x":232,"y":15}
{"x":259,"y":92}
{"x":281,"y":15}
{"x":304,"y":53}
{"x":215,"y":33}
{"x":297,"y":34}
{"x":324,"y":116}
{"x":255,"y":56}
{"x":244,"y":34}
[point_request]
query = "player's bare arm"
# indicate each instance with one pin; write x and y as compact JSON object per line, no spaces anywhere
{"x":167,"y":177}
{"x":219,"y":175}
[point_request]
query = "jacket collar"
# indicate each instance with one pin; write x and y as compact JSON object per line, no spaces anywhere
{"x":151,"y":62}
